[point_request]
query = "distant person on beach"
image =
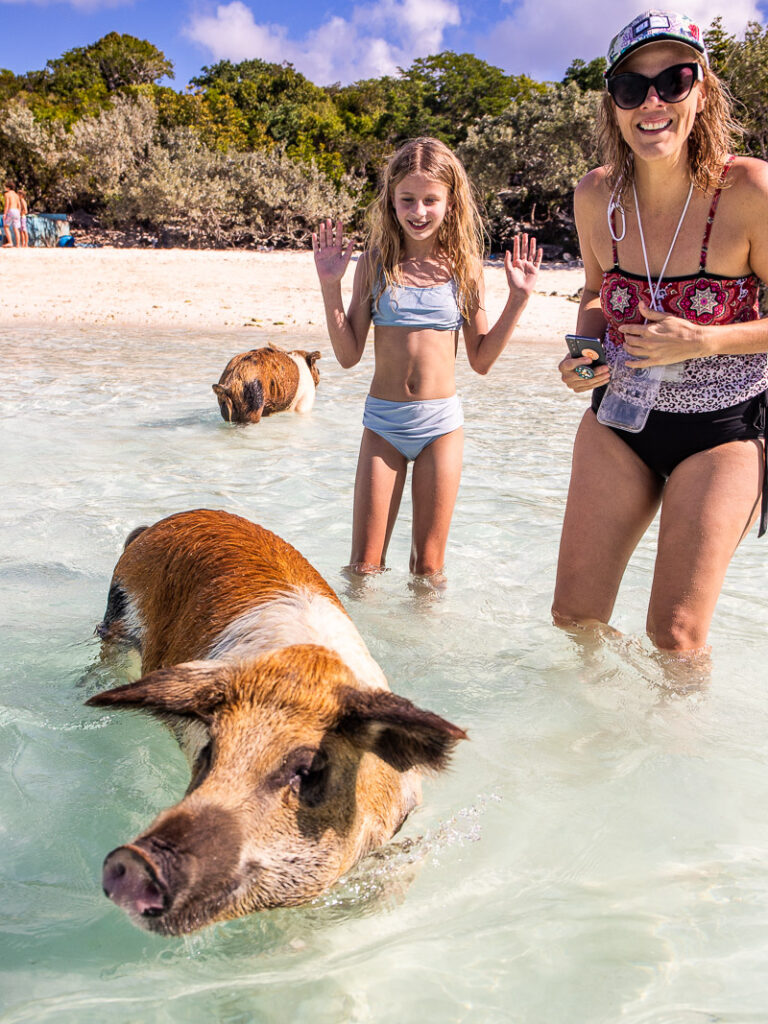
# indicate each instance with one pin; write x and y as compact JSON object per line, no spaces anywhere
{"x":11,"y":215}
{"x":23,"y":210}
{"x":420,"y":281}
{"x":674,"y":242}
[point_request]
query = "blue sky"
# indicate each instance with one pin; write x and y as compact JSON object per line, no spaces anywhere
{"x":340,"y":40}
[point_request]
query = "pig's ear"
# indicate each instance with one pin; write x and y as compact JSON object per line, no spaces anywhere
{"x":194,"y":688}
{"x":397,"y":731}
{"x":312,"y":358}
{"x":226,"y":404}
{"x":254,"y":398}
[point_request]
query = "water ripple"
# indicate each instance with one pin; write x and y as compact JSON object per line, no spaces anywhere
{"x":608,"y":863}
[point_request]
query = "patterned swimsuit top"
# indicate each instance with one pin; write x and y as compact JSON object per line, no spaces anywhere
{"x":712,"y":382}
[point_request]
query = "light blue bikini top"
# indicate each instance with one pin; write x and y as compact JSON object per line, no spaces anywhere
{"x":435,"y":307}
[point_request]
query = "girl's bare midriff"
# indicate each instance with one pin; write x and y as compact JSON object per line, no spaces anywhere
{"x":414,"y":366}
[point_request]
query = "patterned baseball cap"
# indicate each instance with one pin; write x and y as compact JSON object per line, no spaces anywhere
{"x":653,"y":27}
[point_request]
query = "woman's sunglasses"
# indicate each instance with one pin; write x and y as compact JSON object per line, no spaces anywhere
{"x":672,"y":85}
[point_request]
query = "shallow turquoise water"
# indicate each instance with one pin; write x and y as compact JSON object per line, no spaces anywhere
{"x":597,"y":852}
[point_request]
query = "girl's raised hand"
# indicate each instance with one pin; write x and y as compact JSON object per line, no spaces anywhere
{"x":522,"y":264}
{"x":331,"y":256}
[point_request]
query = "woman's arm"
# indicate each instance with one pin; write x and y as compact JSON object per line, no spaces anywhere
{"x":669,"y":339}
{"x":522,"y":267}
{"x":588,"y":204}
{"x":347,"y":331}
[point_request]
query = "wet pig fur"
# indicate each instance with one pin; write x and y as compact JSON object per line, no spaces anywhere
{"x":302,"y":760}
{"x":267,"y":380}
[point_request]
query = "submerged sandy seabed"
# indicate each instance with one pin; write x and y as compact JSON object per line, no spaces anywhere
{"x":218,"y":290}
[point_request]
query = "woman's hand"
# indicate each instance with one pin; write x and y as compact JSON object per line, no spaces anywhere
{"x":663,"y":340}
{"x":577,"y":383}
{"x":331,"y":256}
{"x":522,"y":265}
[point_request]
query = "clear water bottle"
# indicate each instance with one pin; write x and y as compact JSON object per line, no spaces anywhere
{"x":631,"y":394}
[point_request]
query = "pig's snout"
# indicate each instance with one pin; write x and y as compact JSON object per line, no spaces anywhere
{"x":132,"y":881}
{"x":179,"y":874}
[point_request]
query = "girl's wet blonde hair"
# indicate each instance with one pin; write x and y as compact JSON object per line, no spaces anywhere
{"x":713,"y":137}
{"x":461,"y":236}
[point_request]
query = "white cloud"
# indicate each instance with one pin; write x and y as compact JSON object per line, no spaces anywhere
{"x":375,"y":40}
{"x":542,"y":37}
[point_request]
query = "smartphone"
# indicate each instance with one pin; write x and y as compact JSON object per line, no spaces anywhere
{"x":579,"y":345}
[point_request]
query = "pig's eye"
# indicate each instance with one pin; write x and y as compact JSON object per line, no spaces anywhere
{"x":201,"y":767}
{"x":306,"y":772}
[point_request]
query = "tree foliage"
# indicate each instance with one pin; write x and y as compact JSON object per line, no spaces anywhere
{"x":83,"y":80}
{"x":214,"y":116}
{"x":105,"y":153}
{"x":439,"y":96}
{"x":276,"y":104}
{"x":114,"y":62}
{"x":456,"y":89}
{"x":587,"y":75}
{"x":255,"y":151}
{"x":188,"y":194}
{"x":527,"y":160}
{"x":31,"y":151}
{"x":743,"y":66}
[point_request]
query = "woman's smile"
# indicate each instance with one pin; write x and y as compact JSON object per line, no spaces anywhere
{"x":655,"y":125}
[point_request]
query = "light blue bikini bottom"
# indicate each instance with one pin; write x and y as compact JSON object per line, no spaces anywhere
{"x":411,"y":426}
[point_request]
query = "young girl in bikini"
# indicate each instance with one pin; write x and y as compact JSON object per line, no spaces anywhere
{"x":419,"y":281}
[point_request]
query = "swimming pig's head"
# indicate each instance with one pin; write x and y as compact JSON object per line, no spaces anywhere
{"x":296,"y":774}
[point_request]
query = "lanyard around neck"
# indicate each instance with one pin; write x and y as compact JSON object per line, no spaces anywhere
{"x":654,"y":289}
{"x":615,"y":205}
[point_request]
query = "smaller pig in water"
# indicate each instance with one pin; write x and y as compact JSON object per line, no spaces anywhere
{"x":267,"y":380}
{"x":302,"y":760}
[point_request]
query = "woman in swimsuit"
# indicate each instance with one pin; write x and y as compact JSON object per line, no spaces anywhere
{"x":419,"y":281}
{"x":673,"y":239}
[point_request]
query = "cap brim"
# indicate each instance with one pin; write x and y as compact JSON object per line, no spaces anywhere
{"x":662,"y":37}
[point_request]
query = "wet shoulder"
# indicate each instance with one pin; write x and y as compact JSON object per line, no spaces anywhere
{"x":590,"y":202}
{"x":745,"y":197}
{"x":749,"y":171}
{"x":593,"y":188}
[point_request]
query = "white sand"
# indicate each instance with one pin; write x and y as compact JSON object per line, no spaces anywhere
{"x":217,"y":290}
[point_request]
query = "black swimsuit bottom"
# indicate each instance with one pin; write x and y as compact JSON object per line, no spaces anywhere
{"x":668,"y":438}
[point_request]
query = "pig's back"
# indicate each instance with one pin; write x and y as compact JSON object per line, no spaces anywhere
{"x":277,"y":372}
{"x":190,"y":575}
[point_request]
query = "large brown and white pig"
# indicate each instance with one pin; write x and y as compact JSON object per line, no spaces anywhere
{"x":302,"y":760}
{"x":267,"y":380}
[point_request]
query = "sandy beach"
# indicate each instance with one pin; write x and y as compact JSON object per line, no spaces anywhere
{"x":217,"y":290}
